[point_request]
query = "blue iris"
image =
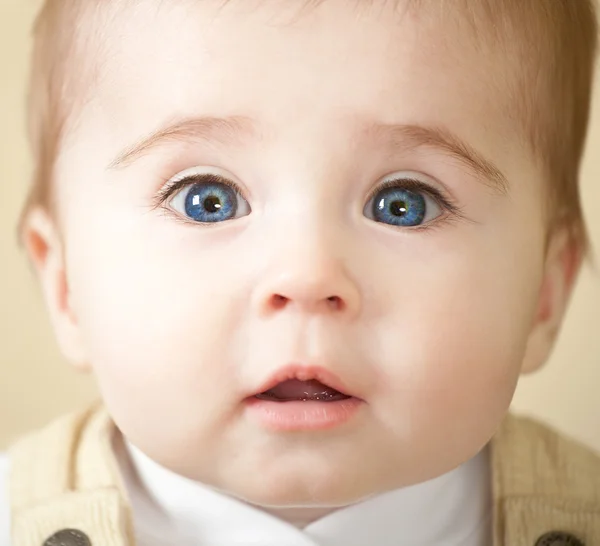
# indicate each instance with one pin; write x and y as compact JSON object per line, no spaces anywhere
{"x":399,"y":207}
{"x":210,"y":202}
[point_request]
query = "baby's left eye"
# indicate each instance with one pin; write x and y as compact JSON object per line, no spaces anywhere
{"x":403,"y":207}
{"x":208,"y":198}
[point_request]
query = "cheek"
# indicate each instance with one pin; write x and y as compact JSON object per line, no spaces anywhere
{"x":155,"y":315}
{"x":456,"y":343}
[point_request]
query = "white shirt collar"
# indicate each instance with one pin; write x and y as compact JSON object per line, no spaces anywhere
{"x":451,"y":510}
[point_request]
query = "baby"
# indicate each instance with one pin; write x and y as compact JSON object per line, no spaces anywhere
{"x":307,"y":249}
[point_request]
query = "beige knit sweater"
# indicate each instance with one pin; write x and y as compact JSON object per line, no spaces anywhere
{"x":65,"y":484}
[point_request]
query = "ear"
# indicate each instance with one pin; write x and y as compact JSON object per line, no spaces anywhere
{"x":45,"y":249}
{"x":563,"y":262}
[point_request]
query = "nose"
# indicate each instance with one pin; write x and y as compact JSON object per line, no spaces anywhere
{"x":308,"y":280}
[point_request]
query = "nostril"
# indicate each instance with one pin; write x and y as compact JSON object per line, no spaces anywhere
{"x":336,"y":302}
{"x":279,"y":301}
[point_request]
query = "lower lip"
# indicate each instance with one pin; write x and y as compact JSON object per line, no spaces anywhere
{"x":302,"y":415}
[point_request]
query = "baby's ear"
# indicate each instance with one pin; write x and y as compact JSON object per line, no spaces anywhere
{"x":45,"y":249}
{"x":563,"y":261}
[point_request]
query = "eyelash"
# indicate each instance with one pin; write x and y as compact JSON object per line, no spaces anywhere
{"x":414,"y":185}
{"x":452,"y":211}
{"x":173,"y":186}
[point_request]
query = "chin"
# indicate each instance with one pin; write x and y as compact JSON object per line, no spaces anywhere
{"x":307,"y":489}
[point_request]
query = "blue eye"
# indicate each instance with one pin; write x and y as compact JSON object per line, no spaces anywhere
{"x":208,"y":198}
{"x":403,"y":207}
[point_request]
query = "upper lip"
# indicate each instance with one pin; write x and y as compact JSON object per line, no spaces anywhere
{"x":304,"y":373}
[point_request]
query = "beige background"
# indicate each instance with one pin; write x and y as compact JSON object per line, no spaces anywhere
{"x":36,"y":385}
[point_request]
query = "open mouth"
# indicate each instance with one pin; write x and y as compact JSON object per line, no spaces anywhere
{"x":302,"y":398}
{"x":295,"y":390}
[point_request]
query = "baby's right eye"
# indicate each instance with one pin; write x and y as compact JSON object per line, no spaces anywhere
{"x":207,"y":198}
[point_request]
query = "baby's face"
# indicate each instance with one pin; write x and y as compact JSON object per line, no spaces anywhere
{"x":336,"y":196}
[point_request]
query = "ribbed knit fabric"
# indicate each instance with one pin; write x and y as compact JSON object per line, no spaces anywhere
{"x":66,"y":477}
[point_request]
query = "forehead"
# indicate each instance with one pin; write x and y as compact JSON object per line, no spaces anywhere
{"x":333,"y":66}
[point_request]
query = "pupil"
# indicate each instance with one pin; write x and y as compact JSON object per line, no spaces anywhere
{"x":399,"y":208}
{"x":212,"y":204}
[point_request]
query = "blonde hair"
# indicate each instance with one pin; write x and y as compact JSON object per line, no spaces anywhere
{"x":557,"y":41}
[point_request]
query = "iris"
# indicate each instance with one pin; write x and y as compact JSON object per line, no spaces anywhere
{"x":399,"y":207}
{"x":212,"y":202}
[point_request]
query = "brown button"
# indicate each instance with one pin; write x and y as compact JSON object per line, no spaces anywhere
{"x":68,"y":537}
{"x":558,"y":538}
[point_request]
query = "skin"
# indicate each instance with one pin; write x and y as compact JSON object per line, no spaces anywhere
{"x":180,"y":321}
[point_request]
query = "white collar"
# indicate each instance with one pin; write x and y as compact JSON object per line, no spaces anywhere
{"x":451,"y":510}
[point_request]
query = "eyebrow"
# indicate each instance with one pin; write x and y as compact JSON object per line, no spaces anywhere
{"x":234,"y":130}
{"x":406,"y":137}
{"x":223,"y":130}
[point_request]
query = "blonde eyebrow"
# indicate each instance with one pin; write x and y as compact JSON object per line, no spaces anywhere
{"x":224,"y":130}
{"x":407,"y":137}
